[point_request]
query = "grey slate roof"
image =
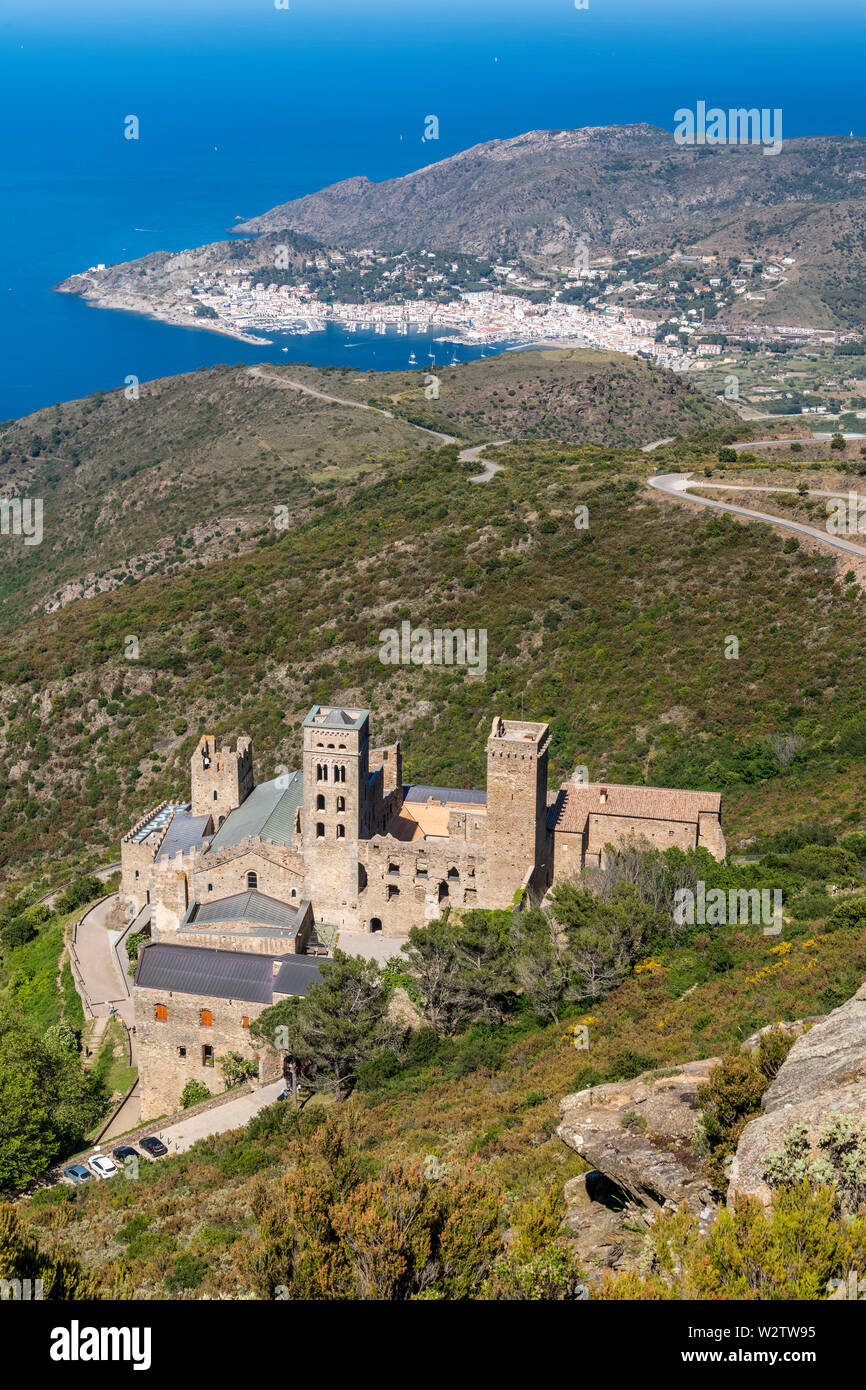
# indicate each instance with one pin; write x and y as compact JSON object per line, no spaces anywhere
{"x":296,"y":975}
{"x":335,"y":717}
{"x":267,"y":814}
{"x":185,"y":832}
{"x":250,"y":906}
{"x":198,"y":970}
{"x":474,"y":798}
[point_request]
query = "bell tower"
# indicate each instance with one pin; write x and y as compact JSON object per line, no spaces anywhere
{"x":336,"y":807}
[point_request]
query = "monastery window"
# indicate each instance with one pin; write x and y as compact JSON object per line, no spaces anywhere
{"x":453,"y":873}
{"x":215,"y":794}
{"x":341,"y":832}
{"x":136,"y":873}
{"x":443,"y":890}
{"x":320,"y":802}
{"x":181,"y":1052}
{"x":321,"y":772}
{"x":341,"y":803}
{"x":210,"y":888}
{"x":339,"y":774}
{"x":320,"y":831}
{"x":207,"y":1055}
{"x":393,"y":868}
{"x":252,"y":879}
{"x":206,"y":1018}
{"x":393,"y":891}
{"x":294,"y":894}
{"x":160,"y":1013}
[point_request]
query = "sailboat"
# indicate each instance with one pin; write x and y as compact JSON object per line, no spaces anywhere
{"x":412,"y":359}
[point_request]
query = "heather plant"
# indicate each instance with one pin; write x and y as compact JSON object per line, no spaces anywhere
{"x":791,"y":1250}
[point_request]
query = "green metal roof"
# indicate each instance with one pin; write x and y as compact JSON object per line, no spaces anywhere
{"x":267,"y":814}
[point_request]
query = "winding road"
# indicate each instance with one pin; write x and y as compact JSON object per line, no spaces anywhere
{"x":675,"y":485}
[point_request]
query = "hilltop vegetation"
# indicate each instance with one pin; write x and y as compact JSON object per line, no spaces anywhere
{"x":615,"y":633}
{"x":193,"y":469}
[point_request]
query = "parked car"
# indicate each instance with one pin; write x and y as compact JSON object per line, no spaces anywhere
{"x":152,"y":1146}
{"x":124,"y":1152}
{"x":103,"y":1166}
{"x":76,"y":1172}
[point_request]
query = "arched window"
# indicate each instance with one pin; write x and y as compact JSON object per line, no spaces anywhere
{"x":443,"y":891}
{"x":206,"y":1018}
{"x":341,"y":832}
{"x":215,"y":794}
{"x":341,"y":803}
{"x":320,"y":831}
{"x":320,"y":802}
{"x":452,"y":873}
{"x":294,"y":893}
{"x":252,"y":879}
{"x":339,"y":774}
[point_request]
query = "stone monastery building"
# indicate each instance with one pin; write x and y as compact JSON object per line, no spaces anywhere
{"x":238,"y":877}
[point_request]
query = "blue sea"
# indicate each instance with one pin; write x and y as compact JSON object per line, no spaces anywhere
{"x":244,"y":104}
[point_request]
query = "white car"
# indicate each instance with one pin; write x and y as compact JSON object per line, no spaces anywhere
{"x":103,"y":1166}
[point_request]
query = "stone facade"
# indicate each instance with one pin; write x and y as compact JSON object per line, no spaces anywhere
{"x":371,"y":854}
{"x":174,"y":1046}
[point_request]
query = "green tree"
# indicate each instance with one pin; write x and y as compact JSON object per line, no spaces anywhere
{"x":340,"y":1023}
{"x":47,"y":1104}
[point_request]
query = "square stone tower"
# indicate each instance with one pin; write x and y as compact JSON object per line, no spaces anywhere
{"x":220,"y":779}
{"x":336,"y":807}
{"x":516,"y":839}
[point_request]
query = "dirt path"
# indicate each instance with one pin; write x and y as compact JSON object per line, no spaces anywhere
{"x":288,"y":384}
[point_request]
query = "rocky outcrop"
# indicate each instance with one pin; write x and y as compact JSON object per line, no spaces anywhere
{"x":823,"y":1075}
{"x":641,"y":1135}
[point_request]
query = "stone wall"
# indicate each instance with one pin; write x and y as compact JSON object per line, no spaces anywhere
{"x":412,"y":882}
{"x":279,"y":872}
{"x":164,"y":1071}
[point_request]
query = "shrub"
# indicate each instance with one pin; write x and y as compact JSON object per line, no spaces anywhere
{"x":187,"y":1272}
{"x":193,"y":1093}
{"x":728,"y":1100}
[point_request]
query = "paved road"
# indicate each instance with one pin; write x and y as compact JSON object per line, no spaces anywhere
{"x":287,"y":384}
{"x":100,"y":973}
{"x":473,"y":455}
{"x":675,"y":485}
{"x":816,"y":438}
{"x":233,"y":1113}
{"x":656,"y":444}
{"x":369,"y":945}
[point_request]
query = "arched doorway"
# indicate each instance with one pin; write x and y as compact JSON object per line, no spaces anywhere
{"x":375,"y":924}
{"x":443,"y":891}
